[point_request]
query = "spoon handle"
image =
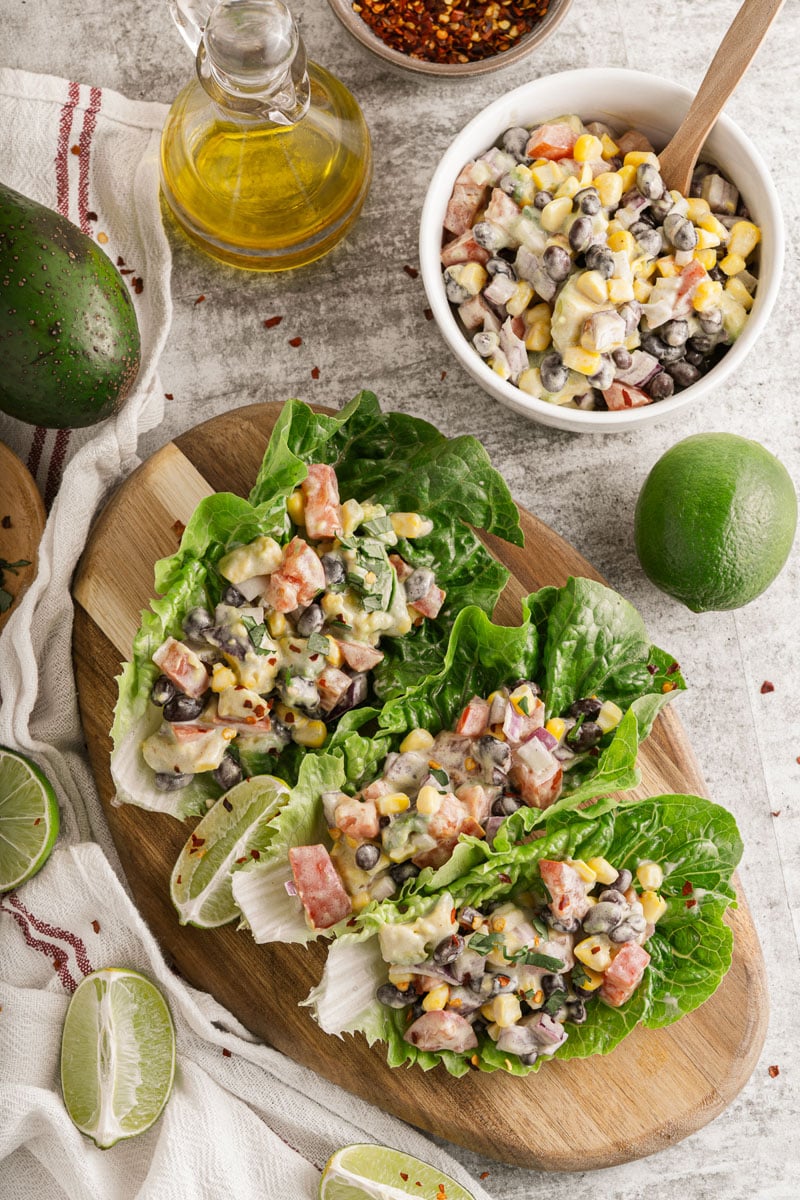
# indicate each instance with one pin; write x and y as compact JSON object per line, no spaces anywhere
{"x":736,"y":50}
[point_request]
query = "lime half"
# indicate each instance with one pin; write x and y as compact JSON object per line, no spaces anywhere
{"x":117,"y":1055}
{"x":232,"y":833}
{"x":366,"y":1172}
{"x":28,"y":819}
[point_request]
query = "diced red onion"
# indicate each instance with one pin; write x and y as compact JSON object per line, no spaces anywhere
{"x":290,"y":888}
{"x":544,"y":735}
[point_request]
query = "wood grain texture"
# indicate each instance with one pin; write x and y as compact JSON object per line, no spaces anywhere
{"x":21,"y":503}
{"x":657,"y":1086}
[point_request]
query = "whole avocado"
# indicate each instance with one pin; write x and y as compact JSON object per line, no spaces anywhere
{"x":69,"y":340}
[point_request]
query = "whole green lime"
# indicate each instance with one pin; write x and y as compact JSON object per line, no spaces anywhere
{"x":715,"y":521}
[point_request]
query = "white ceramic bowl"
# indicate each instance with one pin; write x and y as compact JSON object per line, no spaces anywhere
{"x":623,"y":99}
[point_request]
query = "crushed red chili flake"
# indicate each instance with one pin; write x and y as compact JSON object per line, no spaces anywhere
{"x":37,"y":821}
{"x":120,"y":261}
{"x":315,"y":372}
{"x":91,"y":216}
{"x":776,"y":812}
{"x":295,"y":341}
{"x":411,"y":272}
{"x":6,"y":522}
{"x":96,"y":926}
{"x":226,"y":804}
{"x":168,"y":396}
{"x":443,"y":376}
{"x":75,"y":150}
{"x":652,"y":668}
{"x":179,"y":528}
{"x":271,"y":322}
{"x":774,"y":1071}
{"x":241,"y":860}
{"x":428,"y":314}
{"x":501,"y":875}
{"x":691,"y":903}
{"x":767,"y":687}
{"x":484,"y":1175}
{"x":138,"y":284}
{"x":687,"y":889}
{"x":450,"y":31}
{"x":404,"y":1176}
{"x":225,"y":1052}
{"x":199,"y":299}
{"x":672,"y":668}
{"x":256,"y":854}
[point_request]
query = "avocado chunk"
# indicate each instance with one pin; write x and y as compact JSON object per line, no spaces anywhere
{"x":69,"y":340}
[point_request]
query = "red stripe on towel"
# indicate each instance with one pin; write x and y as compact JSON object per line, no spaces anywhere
{"x":64,"y":935}
{"x":58,"y":955}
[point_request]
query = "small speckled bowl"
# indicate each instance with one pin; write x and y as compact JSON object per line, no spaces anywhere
{"x":555,"y":14}
{"x":624,"y":100}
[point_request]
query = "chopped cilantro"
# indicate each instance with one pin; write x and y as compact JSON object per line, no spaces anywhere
{"x":533,"y":959}
{"x":554,"y":1002}
{"x":256,"y":633}
{"x":441,"y":776}
{"x":318,"y":644}
{"x":341,"y":625}
{"x":484,"y":942}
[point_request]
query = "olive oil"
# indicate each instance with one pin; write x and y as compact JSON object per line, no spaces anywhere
{"x":268,"y":174}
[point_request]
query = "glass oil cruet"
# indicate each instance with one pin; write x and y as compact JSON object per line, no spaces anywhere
{"x":265,"y":157}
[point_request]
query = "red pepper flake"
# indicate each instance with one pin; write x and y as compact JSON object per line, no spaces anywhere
{"x":295,"y":341}
{"x":75,"y":150}
{"x":315,"y":372}
{"x":168,"y":396}
{"x":652,"y":668}
{"x":450,"y":31}
{"x":226,"y":804}
{"x":256,"y":854}
{"x":776,"y":812}
{"x":126,"y":271}
{"x":96,"y":926}
{"x":225,"y":1052}
{"x":484,"y":1175}
{"x":691,"y":903}
{"x":767,"y":687}
{"x":411,"y":272}
{"x":179,"y":528}
{"x":501,"y":875}
{"x":417,"y":1183}
{"x":271,"y":322}
{"x":404,"y":1176}
{"x":38,"y":821}
{"x":138,"y":284}
{"x":91,"y":216}
{"x":687,"y":889}
{"x":197,"y":841}
{"x":179,"y":879}
{"x":774,"y":1071}
{"x":120,"y":261}
{"x":199,"y":300}
{"x":797,"y":760}
{"x":672,"y":668}
{"x":428,"y":314}
{"x":241,"y":860}
{"x":6,"y":522}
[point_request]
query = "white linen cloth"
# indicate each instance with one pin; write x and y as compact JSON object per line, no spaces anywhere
{"x":243,"y":1121}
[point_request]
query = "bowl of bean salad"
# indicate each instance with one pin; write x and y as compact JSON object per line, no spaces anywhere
{"x":569,"y":283}
{"x":462,"y":37}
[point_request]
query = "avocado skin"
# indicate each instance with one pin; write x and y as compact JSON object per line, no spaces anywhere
{"x":69,"y":339}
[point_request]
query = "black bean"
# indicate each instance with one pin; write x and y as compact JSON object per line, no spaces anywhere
{"x":711,"y":321}
{"x":491,"y":749}
{"x":233,"y":597}
{"x":584,"y":736}
{"x":356,"y":694}
{"x":653,"y":344}
{"x":599,"y":258}
{"x":505,"y":805}
{"x":419,"y":583}
{"x":581,"y":232}
{"x":604,"y":375}
{"x":162,"y":691}
{"x":196,"y":622}
{"x":649,"y":182}
{"x":613,"y":895}
{"x":553,"y":983}
{"x":588,"y":707}
{"x":630,"y":929}
{"x":624,"y":880}
{"x":603,"y":917}
{"x":486,"y":341}
{"x":588,"y":201}
{"x":623,"y":359}
{"x":455,"y":293}
{"x":541,"y":199}
{"x":717,"y":274}
{"x":499,"y":266}
{"x":649,"y":239}
{"x":300,"y":691}
{"x":674,"y":333}
{"x":660,"y":386}
{"x":508,"y":184}
{"x":392,"y":997}
{"x":553,"y":373}
{"x":183,"y":708}
{"x":576,"y":1012}
{"x":490,"y":236}
{"x":515,"y":140}
{"x":684,"y":236}
{"x":367,"y":856}
{"x":703,"y":343}
{"x":448,"y":949}
{"x":172,"y":781}
{"x":528,"y":1059}
{"x":557,"y":263}
{"x":310,"y":621}
{"x":334,"y":568}
{"x":631,"y":314}
{"x":530,"y":683}
{"x":659,"y":208}
{"x":228,"y":773}
{"x":684,"y":374}
{"x":695,"y":358}
{"x":561,"y":924}
{"x":400,"y":872}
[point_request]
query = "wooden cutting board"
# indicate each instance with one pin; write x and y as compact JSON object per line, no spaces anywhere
{"x":22,"y":519}
{"x":654,"y":1089}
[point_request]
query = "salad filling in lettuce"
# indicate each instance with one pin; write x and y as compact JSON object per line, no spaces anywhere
{"x":337,"y":581}
{"x":556,"y":947}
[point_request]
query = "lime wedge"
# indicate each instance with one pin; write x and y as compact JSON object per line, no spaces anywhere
{"x":232,"y":833}
{"x":117,"y":1055}
{"x":366,"y":1172}
{"x":28,"y":819}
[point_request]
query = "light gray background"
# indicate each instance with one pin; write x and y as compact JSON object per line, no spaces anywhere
{"x":362,"y":323}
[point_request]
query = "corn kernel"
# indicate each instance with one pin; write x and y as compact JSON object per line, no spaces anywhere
{"x":436,"y":998}
{"x":487,"y":1010}
{"x":352,"y":516}
{"x":734,"y":287}
{"x":473,"y":277}
{"x":587,"y":362}
{"x":707,"y":240}
{"x":588,"y":148}
{"x":628,"y":176}
{"x":650,"y":875}
{"x":584,"y":870}
{"x":554,"y":214}
{"x":635,"y":158}
{"x":507,"y":1010}
{"x":697,"y":208}
{"x":310,"y":733}
{"x":609,"y":188}
{"x":334,"y":656}
{"x":499,"y":364}
{"x":520,"y":298}
{"x":643,"y":267}
{"x":593,"y":285}
{"x":523,"y":700}
{"x":744,"y":237}
{"x":277,"y":623}
{"x":569,"y":188}
{"x":493,"y":1031}
{"x":622,"y":239}
{"x":609,"y":716}
{"x":429,"y":800}
{"x":732,"y":264}
{"x":556,"y":727}
{"x":706,"y":295}
{"x":410,"y":525}
{"x":610,"y":147}
{"x":594,"y":951}
{"x":593,"y":979}
{"x":417,"y":739}
{"x":360,"y":900}
{"x":653,"y":906}
{"x":497,"y":924}
{"x":394,"y":802}
{"x":706,"y":258}
{"x":296,"y":507}
{"x":546,"y":175}
{"x":667,"y":267}
{"x":222,"y":678}
{"x":620,"y":291}
{"x":530,"y":381}
{"x":538,"y":336}
{"x":603,"y":870}
{"x":536,"y":312}
{"x":713,"y":225}
{"x":641,"y":290}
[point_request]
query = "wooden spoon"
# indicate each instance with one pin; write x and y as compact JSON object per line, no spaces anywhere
{"x":736,"y":51}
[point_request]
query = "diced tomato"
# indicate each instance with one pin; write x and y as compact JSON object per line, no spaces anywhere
{"x":476,"y":800}
{"x":502,"y":211}
{"x":430,"y":604}
{"x":244,"y":724}
{"x":357,"y":818}
{"x":464,"y":249}
{"x":474,"y":718}
{"x":465,"y":201}
{"x":332,"y":685}
{"x":551,"y":141}
{"x":188,"y":733}
{"x":624,"y":395}
{"x":474,"y":312}
{"x":567,"y":893}
{"x":622,"y":978}
{"x":323,"y":513}
{"x":441,"y":1030}
{"x":297,"y":580}
{"x":632,"y":139}
{"x":539,"y":787}
{"x":452,"y":819}
{"x":378,"y":788}
{"x":691,"y":276}
{"x":319,"y":886}
{"x":360,"y":657}
{"x":182,"y":666}
{"x":402,"y":568}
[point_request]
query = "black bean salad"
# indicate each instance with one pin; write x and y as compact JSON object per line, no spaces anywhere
{"x":582,"y":280}
{"x":291,"y":644}
{"x":521,"y":970}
